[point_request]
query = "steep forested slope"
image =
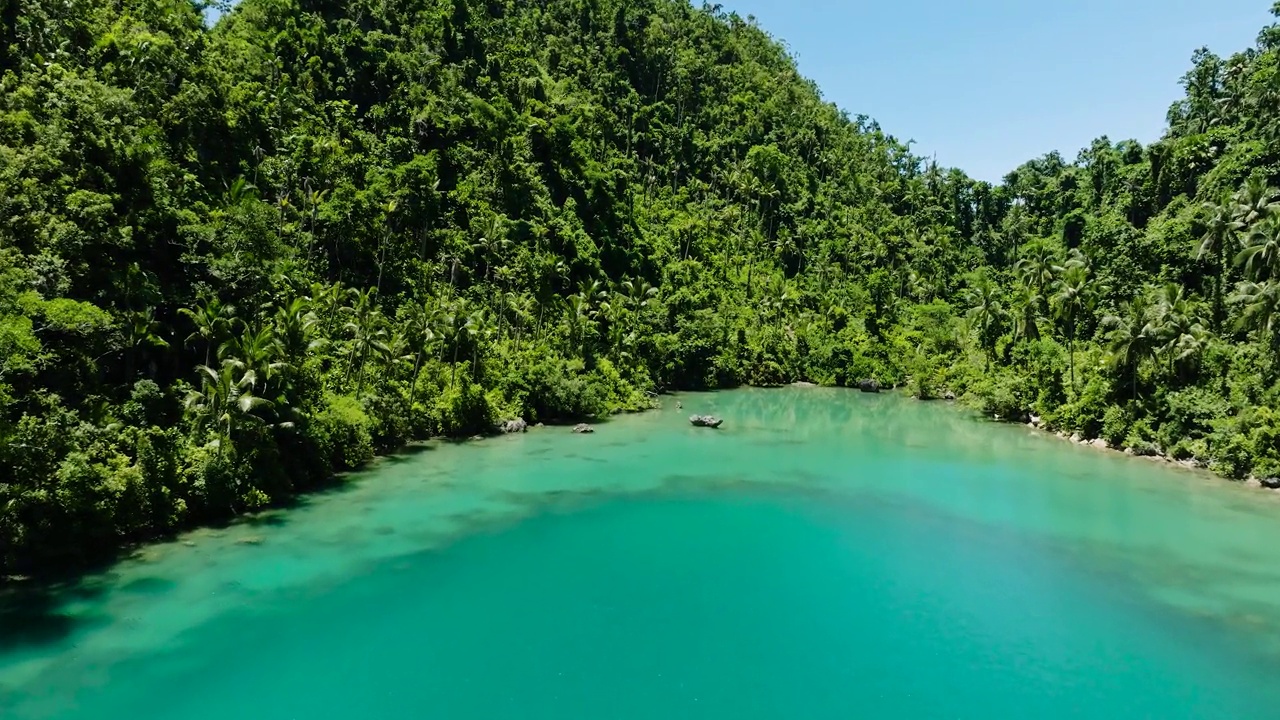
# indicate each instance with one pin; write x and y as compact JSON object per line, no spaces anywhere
{"x":234,"y":260}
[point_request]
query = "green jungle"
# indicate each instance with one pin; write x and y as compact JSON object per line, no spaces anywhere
{"x":238,"y":258}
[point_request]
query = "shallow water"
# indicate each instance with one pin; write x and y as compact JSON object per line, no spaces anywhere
{"x":826,"y":555}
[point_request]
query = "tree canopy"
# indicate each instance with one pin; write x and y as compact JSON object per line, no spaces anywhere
{"x":237,"y":259}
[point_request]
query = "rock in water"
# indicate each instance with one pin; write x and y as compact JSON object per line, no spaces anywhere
{"x":583,"y":429}
{"x":869,"y":386}
{"x":514,"y":426}
{"x":707,"y":421}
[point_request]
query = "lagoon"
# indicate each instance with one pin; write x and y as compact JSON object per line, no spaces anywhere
{"x":826,"y":554}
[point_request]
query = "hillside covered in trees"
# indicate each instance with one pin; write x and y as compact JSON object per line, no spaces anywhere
{"x":235,"y":260}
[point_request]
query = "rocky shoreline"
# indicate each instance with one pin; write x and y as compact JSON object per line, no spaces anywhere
{"x":1035,"y":423}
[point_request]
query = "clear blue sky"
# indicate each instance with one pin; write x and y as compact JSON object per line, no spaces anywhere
{"x":989,"y":84}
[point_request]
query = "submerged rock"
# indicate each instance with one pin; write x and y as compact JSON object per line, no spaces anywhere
{"x":869,"y":386}
{"x":513,"y":426}
{"x":707,"y":421}
{"x":583,"y":429}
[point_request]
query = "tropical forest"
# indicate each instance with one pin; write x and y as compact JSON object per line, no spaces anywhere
{"x":245,"y":249}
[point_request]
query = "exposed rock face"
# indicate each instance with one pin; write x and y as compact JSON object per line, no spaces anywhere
{"x":583,"y":429}
{"x":707,"y":421}
{"x":1099,"y":443}
{"x":948,"y":395}
{"x":869,"y":386}
{"x":514,"y":426}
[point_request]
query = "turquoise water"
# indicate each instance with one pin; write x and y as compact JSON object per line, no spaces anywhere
{"x":826,"y":555}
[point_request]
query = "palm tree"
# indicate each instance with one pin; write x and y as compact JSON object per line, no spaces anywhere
{"x":1175,"y":324}
{"x":458,"y":325}
{"x":1260,"y":309}
{"x":294,"y":327}
{"x":1128,"y":342}
{"x":213,"y":323}
{"x":424,"y":325}
{"x":1038,"y":267}
{"x":1255,"y":202}
{"x":1028,"y":307}
{"x":985,"y":313}
{"x":143,"y":332}
{"x":256,"y":351}
{"x":481,"y":329}
{"x":580,"y":319}
{"x":327,"y":302}
{"x":366,"y":332}
{"x":1220,"y":232}
{"x":394,"y":352}
{"x":1072,"y":296}
{"x":224,"y":400}
{"x":491,"y":244}
{"x":1261,"y":255}
{"x":639,"y":296}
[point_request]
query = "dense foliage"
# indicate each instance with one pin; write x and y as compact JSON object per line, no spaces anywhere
{"x":237,"y":259}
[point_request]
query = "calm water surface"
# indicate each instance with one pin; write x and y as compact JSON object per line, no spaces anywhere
{"x":826,"y":555}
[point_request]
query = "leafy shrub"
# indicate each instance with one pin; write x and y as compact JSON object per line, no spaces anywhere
{"x":1192,"y":413}
{"x":1232,"y":456}
{"x":464,"y":409}
{"x":343,"y":433}
{"x":1141,"y":439}
{"x":1116,"y":424}
{"x":1086,"y":413}
{"x":551,"y":391}
{"x":1001,"y":394}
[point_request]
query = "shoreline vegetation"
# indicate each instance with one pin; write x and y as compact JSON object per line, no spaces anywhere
{"x":238,"y":260}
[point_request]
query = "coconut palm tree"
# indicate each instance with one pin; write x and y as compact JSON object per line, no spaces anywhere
{"x":491,"y":244}
{"x":366,"y":332}
{"x":1038,"y":268}
{"x":1175,"y":323}
{"x":1255,"y":202}
{"x":1260,"y":309}
{"x":424,"y":328}
{"x":1072,"y":296}
{"x":1261,"y":255}
{"x":481,"y":329}
{"x":580,"y":319}
{"x":213,"y":323}
{"x":1220,"y":232}
{"x":294,"y":326}
{"x":986,"y":313}
{"x":142,"y":331}
{"x":1128,"y":342}
{"x":256,"y":350}
{"x":224,"y":400}
{"x":1027,"y":309}
{"x":327,"y":302}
